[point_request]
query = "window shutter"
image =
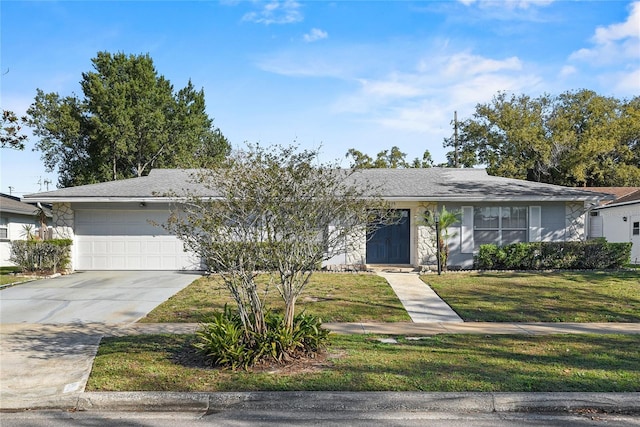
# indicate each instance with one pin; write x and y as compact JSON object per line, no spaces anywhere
{"x":466,"y":235}
{"x":535,"y":229}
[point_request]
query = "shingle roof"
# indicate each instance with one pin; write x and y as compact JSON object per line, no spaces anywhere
{"x":465,"y":184}
{"x":621,"y":194}
{"x":631,"y":197}
{"x":429,"y":184}
{"x":9,"y":204}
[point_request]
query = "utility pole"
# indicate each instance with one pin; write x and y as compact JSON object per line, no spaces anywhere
{"x":455,"y":140}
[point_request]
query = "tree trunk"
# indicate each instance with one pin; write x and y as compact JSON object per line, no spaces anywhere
{"x":290,"y":313}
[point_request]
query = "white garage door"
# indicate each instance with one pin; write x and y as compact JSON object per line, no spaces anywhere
{"x":127,"y":240}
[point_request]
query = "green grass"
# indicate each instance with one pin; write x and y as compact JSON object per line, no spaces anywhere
{"x":541,"y":297}
{"x":462,"y":363}
{"x":6,"y":276}
{"x":334,"y":297}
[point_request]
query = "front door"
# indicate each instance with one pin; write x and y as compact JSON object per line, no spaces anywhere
{"x":390,"y":244}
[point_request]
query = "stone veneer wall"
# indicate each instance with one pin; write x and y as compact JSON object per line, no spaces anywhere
{"x":425,"y":236}
{"x":575,"y":222}
{"x":63,"y":221}
{"x":357,"y":248}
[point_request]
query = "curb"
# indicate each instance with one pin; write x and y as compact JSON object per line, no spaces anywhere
{"x":318,"y":401}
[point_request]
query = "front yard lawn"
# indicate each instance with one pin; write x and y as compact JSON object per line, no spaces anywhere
{"x":586,"y":363}
{"x":334,"y":297}
{"x":8,"y":275}
{"x":610,"y":296}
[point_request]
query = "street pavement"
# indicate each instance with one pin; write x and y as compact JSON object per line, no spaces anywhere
{"x":46,"y":365}
{"x":318,"y":419}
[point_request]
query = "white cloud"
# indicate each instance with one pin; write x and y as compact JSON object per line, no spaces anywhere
{"x":568,"y":70}
{"x":422,"y":100}
{"x":464,"y":64}
{"x":392,"y":88}
{"x":616,"y":43}
{"x":315,"y":34}
{"x":276,"y":12}
{"x":629,"y":28}
{"x":628,"y":82}
{"x":509,"y":4}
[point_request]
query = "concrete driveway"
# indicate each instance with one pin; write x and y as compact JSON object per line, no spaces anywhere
{"x":91,"y":297}
{"x":50,"y":329}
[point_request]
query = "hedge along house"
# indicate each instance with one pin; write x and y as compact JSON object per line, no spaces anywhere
{"x":17,"y":220}
{"x":114,"y":224}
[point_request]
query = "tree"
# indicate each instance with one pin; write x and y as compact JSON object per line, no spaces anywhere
{"x":128,"y":121}
{"x":393,"y":158}
{"x":277,"y":210}
{"x":575,"y":139}
{"x":10,"y":135}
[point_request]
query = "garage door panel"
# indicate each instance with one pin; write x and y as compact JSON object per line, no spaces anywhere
{"x":118,"y":262}
{"x":127,"y":240}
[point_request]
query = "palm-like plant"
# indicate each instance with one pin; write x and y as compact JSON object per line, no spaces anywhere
{"x":41,"y":214}
{"x":441,"y":222}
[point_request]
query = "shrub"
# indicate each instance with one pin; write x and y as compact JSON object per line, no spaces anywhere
{"x":593,"y":254}
{"x":41,"y":255}
{"x":224,"y":341}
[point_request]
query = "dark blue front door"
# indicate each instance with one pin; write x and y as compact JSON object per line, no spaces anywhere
{"x":390,"y":244}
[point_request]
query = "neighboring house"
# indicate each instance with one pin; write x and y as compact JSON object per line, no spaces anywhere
{"x":618,"y":220}
{"x":14,"y":216}
{"x":112,"y":223}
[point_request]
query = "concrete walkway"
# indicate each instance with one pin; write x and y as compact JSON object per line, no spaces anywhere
{"x":420,"y":301}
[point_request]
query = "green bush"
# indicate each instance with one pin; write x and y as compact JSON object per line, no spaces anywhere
{"x":41,"y":255}
{"x":589,"y":255}
{"x":224,"y":341}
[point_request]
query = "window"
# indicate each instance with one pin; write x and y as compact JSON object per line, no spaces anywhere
{"x":4,"y":229}
{"x":636,"y":228}
{"x":499,"y":225}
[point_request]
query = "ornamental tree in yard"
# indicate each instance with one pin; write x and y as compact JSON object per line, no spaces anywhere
{"x":276,"y":210}
{"x":128,"y":121}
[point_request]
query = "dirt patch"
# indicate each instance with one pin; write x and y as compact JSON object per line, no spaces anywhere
{"x":303,"y":363}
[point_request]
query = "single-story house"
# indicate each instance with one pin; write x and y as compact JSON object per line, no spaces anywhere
{"x":15,"y":218}
{"x":618,"y":220}
{"x":111,"y":223}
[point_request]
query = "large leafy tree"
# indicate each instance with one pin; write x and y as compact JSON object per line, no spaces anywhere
{"x":392,"y":158}
{"x":11,"y":135}
{"x":128,"y":120}
{"x":578,"y":138}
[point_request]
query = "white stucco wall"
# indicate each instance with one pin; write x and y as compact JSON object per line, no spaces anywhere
{"x":15,"y":231}
{"x":616,"y":230}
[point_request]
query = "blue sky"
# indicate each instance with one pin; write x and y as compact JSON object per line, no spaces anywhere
{"x":341,"y":74}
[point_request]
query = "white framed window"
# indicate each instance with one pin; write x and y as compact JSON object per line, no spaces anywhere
{"x":4,"y":228}
{"x":499,"y":225}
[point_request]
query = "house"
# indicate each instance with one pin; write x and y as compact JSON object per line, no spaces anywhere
{"x":15,"y":217}
{"x":112,"y":223}
{"x":618,"y":220}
